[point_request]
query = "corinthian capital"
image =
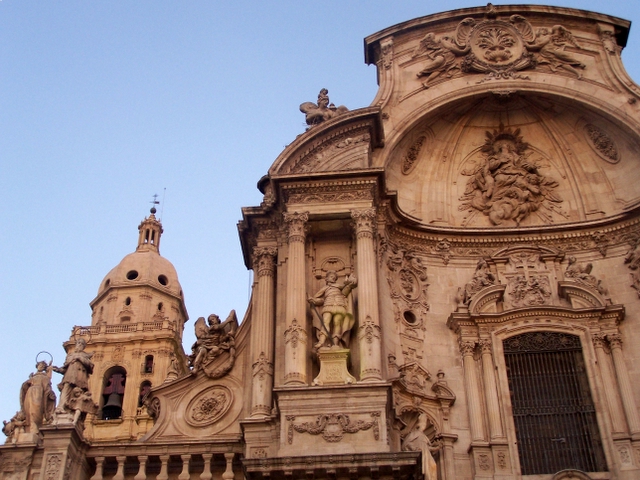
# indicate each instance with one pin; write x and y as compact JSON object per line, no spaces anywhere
{"x":615,"y":340}
{"x":297,"y":223}
{"x":467,"y":348}
{"x":264,"y":260}
{"x":364,"y":221}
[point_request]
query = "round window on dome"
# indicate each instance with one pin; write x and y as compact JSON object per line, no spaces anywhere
{"x":163,"y":280}
{"x":132,"y":275}
{"x":107,"y":282}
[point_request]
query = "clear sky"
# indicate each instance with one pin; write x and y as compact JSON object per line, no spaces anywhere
{"x":105,"y":103}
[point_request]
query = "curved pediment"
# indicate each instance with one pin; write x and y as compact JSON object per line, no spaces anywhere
{"x":341,"y":144}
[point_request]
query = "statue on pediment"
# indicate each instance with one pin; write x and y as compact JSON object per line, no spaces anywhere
{"x":323,"y":110}
{"x":581,"y":273}
{"x":214,"y":339}
{"x":482,"y":278}
{"x":37,"y":399}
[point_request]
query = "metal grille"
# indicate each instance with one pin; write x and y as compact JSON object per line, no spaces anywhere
{"x":553,"y":412}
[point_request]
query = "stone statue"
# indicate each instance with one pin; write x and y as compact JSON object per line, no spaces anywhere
{"x":551,"y":48}
{"x":37,"y":399}
{"x":334,"y":323}
{"x":507,"y":185}
{"x":482,"y":278}
{"x":14,"y":427}
{"x":417,"y":441}
{"x":214,"y":340}
{"x":440,"y":56}
{"x":76,"y":371}
{"x":316,"y":114}
{"x":581,"y":273}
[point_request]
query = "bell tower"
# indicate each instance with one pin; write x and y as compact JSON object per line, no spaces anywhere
{"x":135,"y":337}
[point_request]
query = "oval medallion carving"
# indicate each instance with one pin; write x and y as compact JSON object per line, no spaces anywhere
{"x":602,"y":144}
{"x":209,"y":406}
{"x":496,"y":43}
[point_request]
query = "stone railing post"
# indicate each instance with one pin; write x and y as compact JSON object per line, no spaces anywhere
{"x":367,"y":274}
{"x":295,"y":349}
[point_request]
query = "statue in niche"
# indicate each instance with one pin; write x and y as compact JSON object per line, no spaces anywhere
{"x":334,"y":323}
{"x":581,"y":273}
{"x":316,"y":114}
{"x":37,"y":399}
{"x":214,"y":340}
{"x":482,"y":278}
{"x":74,"y":388}
{"x":417,"y":441}
{"x":507,"y":185}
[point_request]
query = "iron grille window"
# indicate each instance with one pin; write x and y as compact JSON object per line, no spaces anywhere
{"x":553,"y":411}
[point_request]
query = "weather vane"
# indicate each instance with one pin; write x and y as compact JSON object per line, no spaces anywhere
{"x":154,"y":202}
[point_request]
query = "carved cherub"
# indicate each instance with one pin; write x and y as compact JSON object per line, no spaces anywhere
{"x":213,"y":340}
{"x":581,"y":273}
{"x":482,"y":278}
{"x":316,"y":114}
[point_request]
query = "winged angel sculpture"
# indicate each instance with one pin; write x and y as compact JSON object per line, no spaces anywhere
{"x":215,"y":340}
{"x":498,"y":48}
{"x":315,"y":114}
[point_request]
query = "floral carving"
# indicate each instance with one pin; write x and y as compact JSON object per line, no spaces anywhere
{"x":409,"y":160}
{"x":294,"y":334}
{"x":602,"y":144}
{"x":506,"y":184}
{"x":52,"y":468}
{"x":333,"y":426}
{"x":209,"y":406}
{"x":484,"y":462}
{"x":497,"y":48}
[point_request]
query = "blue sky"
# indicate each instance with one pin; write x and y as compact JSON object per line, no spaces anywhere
{"x":103,"y":104}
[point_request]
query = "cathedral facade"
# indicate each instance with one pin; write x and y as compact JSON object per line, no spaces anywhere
{"x":445,"y":286}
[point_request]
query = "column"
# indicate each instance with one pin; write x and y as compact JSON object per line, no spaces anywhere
{"x":295,"y":346}
{"x":490,"y":390}
{"x":472,"y":390}
{"x":99,"y":467}
{"x":369,"y":323}
{"x":262,"y":331}
{"x":142,"y":471}
{"x":608,"y":383}
{"x":120,"y":472}
{"x":626,"y":393}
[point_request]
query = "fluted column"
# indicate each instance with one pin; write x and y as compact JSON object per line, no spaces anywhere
{"x":473,"y":391}
{"x":295,"y":347}
{"x":142,"y":471}
{"x":369,"y":322}
{"x":626,"y":393}
{"x":262,"y":331}
{"x":608,"y":382}
{"x":490,"y":391}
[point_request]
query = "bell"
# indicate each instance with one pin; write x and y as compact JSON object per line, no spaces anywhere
{"x":114,"y":400}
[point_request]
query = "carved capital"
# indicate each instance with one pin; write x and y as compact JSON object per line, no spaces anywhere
{"x":467,"y":348}
{"x":599,"y":340}
{"x":264,"y":260}
{"x":364,"y":222}
{"x":485,"y":345}
{"x":297,"y":223}
{"x":615,"y":340}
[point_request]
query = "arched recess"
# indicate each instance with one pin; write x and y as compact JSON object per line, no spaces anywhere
{"x":434,"y":162}
{"x":113,"y":388}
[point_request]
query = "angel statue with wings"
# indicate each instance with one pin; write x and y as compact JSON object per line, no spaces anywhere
{"x":214,"y":339}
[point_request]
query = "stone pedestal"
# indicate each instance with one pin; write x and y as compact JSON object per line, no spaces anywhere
{"x":64,"y":452}
{"x":333,"y":420}
{"x":333,"y":367}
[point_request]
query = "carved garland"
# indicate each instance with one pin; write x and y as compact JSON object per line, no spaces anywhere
{"x":333,"y":426}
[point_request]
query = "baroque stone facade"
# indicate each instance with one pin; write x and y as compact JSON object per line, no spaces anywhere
{"x":445,"y":286}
